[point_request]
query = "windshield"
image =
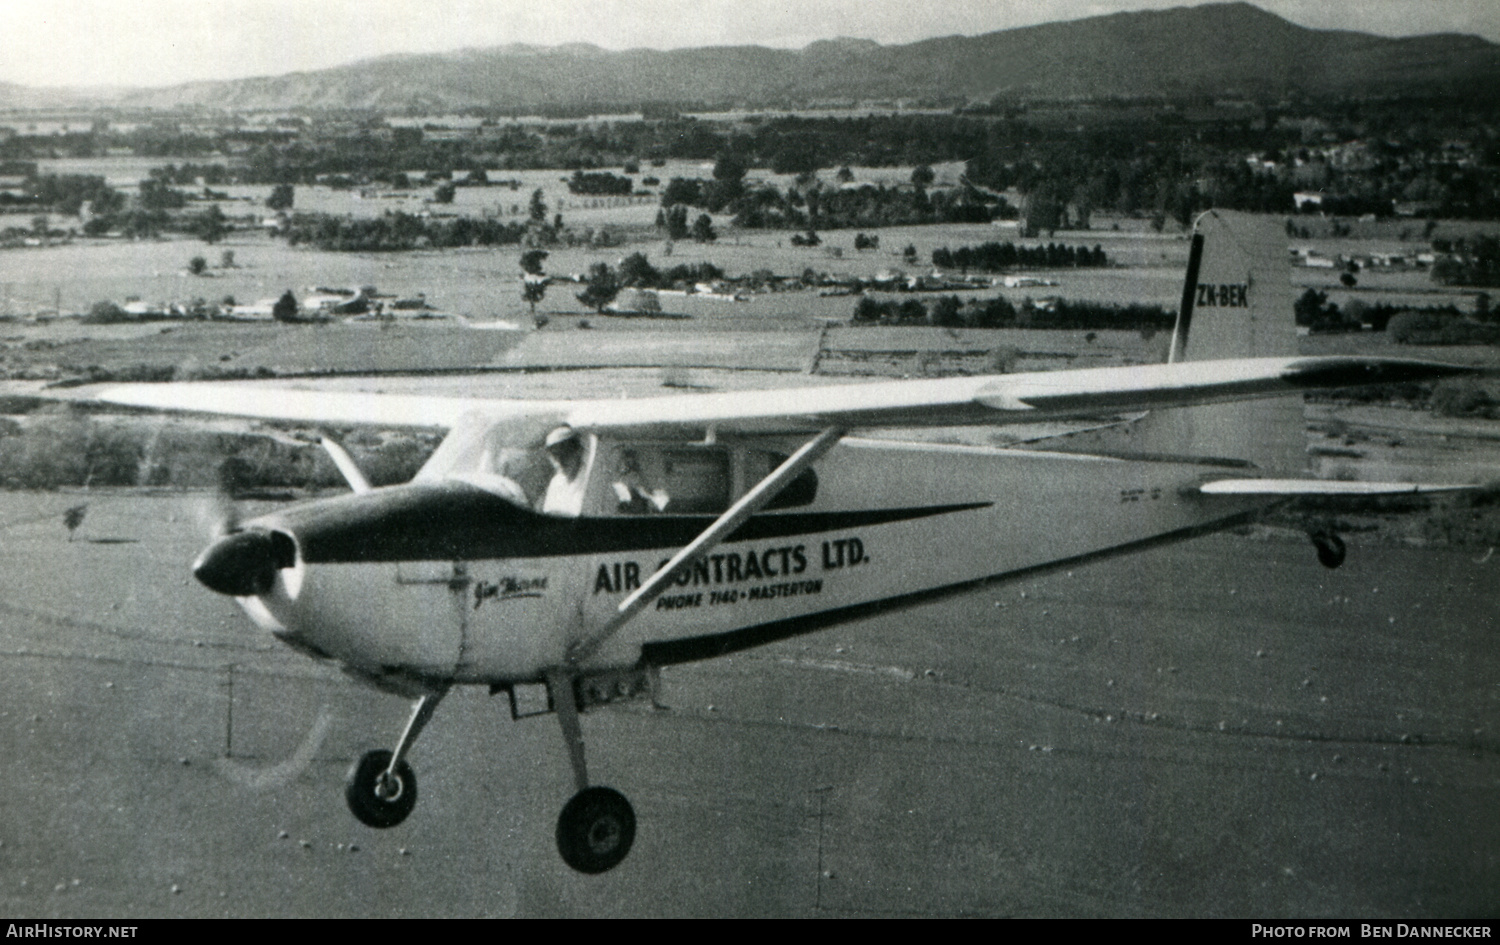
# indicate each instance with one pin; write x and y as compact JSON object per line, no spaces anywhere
{"x":506,"y":456}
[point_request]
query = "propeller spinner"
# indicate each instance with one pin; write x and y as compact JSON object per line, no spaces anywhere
{"x":244,"y":563}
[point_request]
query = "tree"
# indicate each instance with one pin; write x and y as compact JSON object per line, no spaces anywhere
{"x":533,"y":289}
{"x":533,"y":281}
{"x":211,"y":226}
{"x":197,"y":265}
{"x":1313,"y":310}
{"x":845,"y":175}
{"x":105,"y":312}
{"x":729,"y":167}
{"x":947,"y":312}
{"x":154,"y":194}
{"x":286,"y":308}
{"x":703,"y":229}
{"x":676,"y":220}
{"x":282,"y":197}
{"x":445,"y":193}
{"x":602,"y":288}
{"x":226,"y":260}
{"x":531,"y":261}
{"x":537,"y":211}
{"x":923,"y":176}
{"x":867,"y":310}
{"x":636,"y":270}
{"x":73,"y":518}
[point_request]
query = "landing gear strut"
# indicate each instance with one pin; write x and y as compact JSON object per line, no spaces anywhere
{"x":594,"y":831}
{"x":1330,"y":547}
{"x":381,"y":788}
{"x":597,"y":827}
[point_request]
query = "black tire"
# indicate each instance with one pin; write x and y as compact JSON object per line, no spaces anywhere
{"x":1331,"y":550}
{"x":595,"y":830}
{"x":362,"y":791}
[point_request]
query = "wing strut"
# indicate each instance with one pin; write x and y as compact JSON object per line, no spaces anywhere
{"x":752,"y":502}
{"x":347,"y":466}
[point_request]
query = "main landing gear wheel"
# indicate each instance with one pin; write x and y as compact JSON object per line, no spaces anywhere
{"x":1331,"y":550}
{"x":595,"y":830}
{"x":377,"y":799}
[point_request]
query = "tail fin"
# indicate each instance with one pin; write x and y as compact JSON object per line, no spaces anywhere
{"x":1237,"y":300}
{"x":1236,"y":303}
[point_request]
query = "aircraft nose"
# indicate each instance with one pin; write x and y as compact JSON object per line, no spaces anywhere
{"x":244,"y":563}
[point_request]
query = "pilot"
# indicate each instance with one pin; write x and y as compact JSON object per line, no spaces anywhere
{"x":565,"y":491}
{"x":631,"y":491}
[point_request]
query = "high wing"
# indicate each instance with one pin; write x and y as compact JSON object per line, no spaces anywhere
{"x":269,"y":400}
{"x":1009,"y":398}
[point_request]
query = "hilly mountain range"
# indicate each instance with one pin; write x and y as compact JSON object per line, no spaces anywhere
{"x":1216,"y":49}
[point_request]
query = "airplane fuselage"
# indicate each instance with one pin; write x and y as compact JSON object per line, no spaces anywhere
{"x":446,"y":582}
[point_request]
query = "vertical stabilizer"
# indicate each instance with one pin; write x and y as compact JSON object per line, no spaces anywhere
{"x":1236,"y":303}
{"x":1237,"y":300}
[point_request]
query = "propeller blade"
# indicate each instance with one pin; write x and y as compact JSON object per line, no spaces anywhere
{"x":220,"y":514}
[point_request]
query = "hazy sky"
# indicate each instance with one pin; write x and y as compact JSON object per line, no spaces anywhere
{"x":163,"y":42}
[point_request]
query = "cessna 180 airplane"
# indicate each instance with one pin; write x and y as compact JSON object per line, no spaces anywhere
{"x":567,"y":550}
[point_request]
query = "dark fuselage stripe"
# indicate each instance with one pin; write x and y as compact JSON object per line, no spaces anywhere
{"x":690,"y":649}
{"x":446,"y":524}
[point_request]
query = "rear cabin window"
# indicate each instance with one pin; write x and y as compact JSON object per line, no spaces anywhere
{"x":799,"y":492}
{"x":653,"y":480}
{"x":673,"y":480}
{"x":696,"y":480}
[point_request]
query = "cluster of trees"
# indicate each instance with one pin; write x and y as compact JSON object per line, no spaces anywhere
{"x":811,"y":204}
{"x":599,"y":184}
{"x":604,"y":284}
{"x":673,"y":219}
{"x":1468,"y":261}
{"x":399,"y":231}
{"x":148,"y":214}
{"x":1440,"y":327}
{"x":998,"y":257}
{"x":1431,"y":325}
{"x":66,"y":194}
{"x":815,"y":206}
{"x":950,"y":311}
{"x":636,"y":271}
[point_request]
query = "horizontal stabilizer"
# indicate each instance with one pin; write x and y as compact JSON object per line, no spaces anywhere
{"x":1292,"y":488}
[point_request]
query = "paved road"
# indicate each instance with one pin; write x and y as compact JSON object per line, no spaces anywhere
{"x":1218,"y":729}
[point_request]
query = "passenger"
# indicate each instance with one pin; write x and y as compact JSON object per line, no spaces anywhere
{"x":635,"y":497}
{"x":565,"y":491}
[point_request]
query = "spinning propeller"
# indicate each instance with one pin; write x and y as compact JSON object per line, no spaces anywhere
{"x":239,"y":562}
{"x":242,"y":562}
